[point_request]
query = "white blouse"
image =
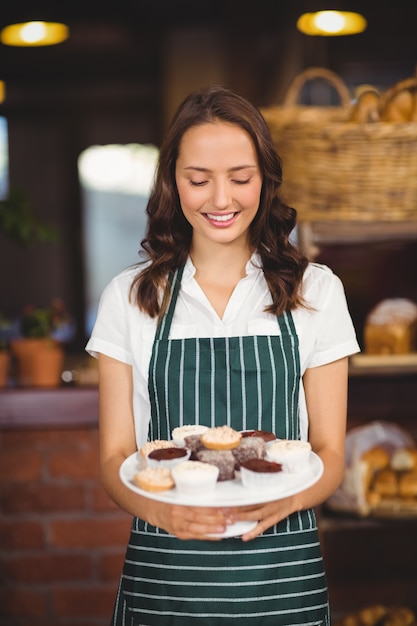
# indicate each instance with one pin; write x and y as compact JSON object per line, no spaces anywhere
{"x":324,"y":328}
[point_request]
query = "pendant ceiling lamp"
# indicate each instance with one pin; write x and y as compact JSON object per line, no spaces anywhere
{"x":34,"y":34}
{"x":331,"y":23}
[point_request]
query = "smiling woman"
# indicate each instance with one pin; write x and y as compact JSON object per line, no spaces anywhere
{"x":225,"y":324}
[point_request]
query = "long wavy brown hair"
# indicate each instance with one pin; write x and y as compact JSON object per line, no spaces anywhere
{"x":168,"y":237}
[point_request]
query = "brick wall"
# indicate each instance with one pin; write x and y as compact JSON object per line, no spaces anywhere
{"x":62,"y":540}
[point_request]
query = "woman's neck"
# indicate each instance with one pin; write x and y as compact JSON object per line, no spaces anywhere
{"x":219,"y":271}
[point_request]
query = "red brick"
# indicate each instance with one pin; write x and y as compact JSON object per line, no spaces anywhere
{"x":48,"y":568}
{"x":38,"y":497}
{"x":81,"y":603}
{"x":16,"y":534}
{"x":48,"y":437}
{"x":76,"y":462}
{"x":85,"y":533}
{"x":20,"y":464}
{"x":22,"y":603}
{"x":110,"y":566}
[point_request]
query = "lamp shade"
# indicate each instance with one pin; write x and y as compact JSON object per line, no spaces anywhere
{"x":34,"y":34}
{"x":331,"y":23}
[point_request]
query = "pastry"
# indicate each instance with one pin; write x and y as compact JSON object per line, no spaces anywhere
{"x":180,"y":433}
{"x":195,"y":477}
{"x":408,"y":484}
{"x":292,"y":454}
{"x":221,"y":438}
{"x":154,"y":479}
{"x":266,"y":435}
{"x":366,"y":108}
{"x":156,"y":444}
{"x":404,"y":459}
{"x":167,"y":457}
{"x":261,"y":474}
{"x":223,"y":459}
{"x":249,"y":448}
{"x":391,"y":327}
{"x":194,"y":444}
{"x":385,"y":483}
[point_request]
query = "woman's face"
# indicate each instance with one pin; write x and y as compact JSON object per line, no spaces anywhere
{"x":219,"y":182}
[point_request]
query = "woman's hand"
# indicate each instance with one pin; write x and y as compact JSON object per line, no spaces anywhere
{"x":265,"y":514}
{"x":187,"y":522}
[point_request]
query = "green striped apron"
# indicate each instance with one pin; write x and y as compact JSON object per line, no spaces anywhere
{"x":276,"y":579}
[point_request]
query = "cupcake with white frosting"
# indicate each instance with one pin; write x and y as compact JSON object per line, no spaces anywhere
{"x":195,"y":477}
{"x":291,"y":453}
{"x":181,"y":432}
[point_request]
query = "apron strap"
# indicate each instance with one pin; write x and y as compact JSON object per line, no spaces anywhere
{"x":164,"y":325}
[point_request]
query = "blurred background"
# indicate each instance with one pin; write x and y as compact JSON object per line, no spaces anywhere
{"x":81,"y":123}
{"x":116,"y":81}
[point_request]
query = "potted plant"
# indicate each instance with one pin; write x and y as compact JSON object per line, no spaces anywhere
{"x":20,"y":224}
{"x":6,"y":333}
{"x":39,"y":351}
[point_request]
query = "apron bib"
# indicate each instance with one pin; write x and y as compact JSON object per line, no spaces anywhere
{"x":276,"y":579}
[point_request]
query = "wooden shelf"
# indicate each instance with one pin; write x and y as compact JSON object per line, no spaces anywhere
{"x":382,"y":365}
{"x":311,"y":235}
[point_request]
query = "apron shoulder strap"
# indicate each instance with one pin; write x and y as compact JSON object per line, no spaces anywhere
{"x":164,"y":325}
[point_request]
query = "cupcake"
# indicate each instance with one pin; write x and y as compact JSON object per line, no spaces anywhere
{"x":181,"y":432}
{"x":221,"y":438}
{"x":292,"y":454}
{"x":156,"y":444}
{"x":261,"y":474}
{"x":193,"y":477}
{"x":266,"y":435}
{"x":167,"y":457}
{"x":154,"y":479}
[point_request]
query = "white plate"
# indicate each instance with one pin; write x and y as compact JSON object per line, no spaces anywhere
{"x":228,"y":492}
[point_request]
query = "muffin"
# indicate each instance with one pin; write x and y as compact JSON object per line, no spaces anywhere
{"x":292,"y":454}
{"x":221,"y":438}
{"x":261,"y":474}
{"x":223,"y":459}
{"x":167,"y":457}
{"x":180,"y":433}
{"x":156,"y":444}
{"x":154,"y":479}
{"x":193,"y":477}
{"x":266,"y":435}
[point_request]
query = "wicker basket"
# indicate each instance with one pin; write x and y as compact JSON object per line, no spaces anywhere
{"x":335,"y":169}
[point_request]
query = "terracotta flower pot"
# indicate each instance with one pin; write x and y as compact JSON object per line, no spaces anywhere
{"x":4,"y":368}
{"x":39,"y":362}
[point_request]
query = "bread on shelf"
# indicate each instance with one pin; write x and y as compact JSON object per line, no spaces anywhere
{"x":391,"y":327}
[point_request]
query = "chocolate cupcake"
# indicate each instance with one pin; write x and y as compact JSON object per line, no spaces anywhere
{"x":261,"y":474}
{"x":266,"y":435}
{"x":167,"y":457}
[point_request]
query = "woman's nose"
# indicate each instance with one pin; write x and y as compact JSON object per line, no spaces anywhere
{"x":221,"y":195}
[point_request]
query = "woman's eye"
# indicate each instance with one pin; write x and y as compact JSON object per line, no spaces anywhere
{"x":242,"y":182}
{"x":197,"y":183}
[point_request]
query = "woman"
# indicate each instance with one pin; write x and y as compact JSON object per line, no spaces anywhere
{"x":222,"y":283}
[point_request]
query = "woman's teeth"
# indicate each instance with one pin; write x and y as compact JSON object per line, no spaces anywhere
{"x":220,"y":218}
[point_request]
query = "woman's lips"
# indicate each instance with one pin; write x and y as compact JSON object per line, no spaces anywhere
{"x":221,"y":220}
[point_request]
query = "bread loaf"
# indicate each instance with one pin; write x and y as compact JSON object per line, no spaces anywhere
{"x":391,"y":327}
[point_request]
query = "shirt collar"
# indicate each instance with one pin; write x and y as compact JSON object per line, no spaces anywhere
{"x":253,"y":266}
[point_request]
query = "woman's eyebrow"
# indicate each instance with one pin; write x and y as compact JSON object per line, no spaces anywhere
{"x":236,"y":168}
